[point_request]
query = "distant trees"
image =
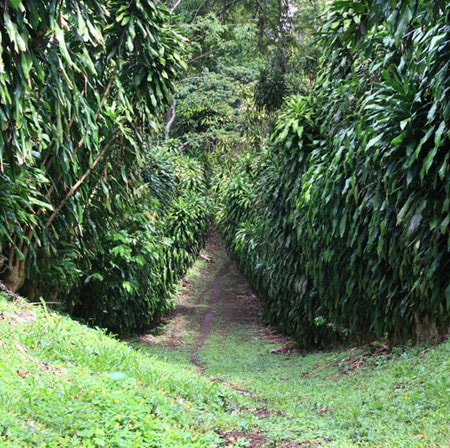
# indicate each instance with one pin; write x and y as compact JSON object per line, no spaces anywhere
{"x":244,"y":58}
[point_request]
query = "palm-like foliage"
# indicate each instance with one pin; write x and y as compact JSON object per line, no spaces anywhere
{"x":147,"y":249}
{"x":349,"y":236}
{"x":80,"y":81}
{"x":81,"y":86}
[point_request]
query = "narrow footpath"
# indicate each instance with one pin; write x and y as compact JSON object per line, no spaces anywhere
{"x":214,"y":327}
{"x":288,"y":398}
{"x":214,"y":298}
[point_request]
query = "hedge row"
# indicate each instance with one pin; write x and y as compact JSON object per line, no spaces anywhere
{"x":343,"y":225}
{"x":135,"y":268}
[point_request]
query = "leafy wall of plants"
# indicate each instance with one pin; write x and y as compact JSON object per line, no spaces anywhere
{"x":86,"y":218}
{"x":343,"y":225}
{"x":139,"y":259}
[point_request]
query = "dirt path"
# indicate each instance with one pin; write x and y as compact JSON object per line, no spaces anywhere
{"x":214,"y":295}
{"x":215,"y":299}
{"x":214,"y":292}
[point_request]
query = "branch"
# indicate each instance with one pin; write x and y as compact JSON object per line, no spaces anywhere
{"x":204,"y":55}
{"x":198,"y":10}
{"x":174,"y":7}
{"x":80,"y":142}
{"x":75,"y":187}
{"x":171,"y":117}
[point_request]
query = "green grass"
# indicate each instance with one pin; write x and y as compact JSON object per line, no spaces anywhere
{"x":64,"y":385}
{"x":400,"y":400}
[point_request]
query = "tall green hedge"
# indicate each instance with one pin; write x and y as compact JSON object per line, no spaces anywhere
{"x":92,"y":215}
{"x":81,"y":85}
{"x":348,"y":235}
{"x":140,"y":256}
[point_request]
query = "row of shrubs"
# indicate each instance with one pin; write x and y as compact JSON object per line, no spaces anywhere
{"x":92,"y":215}
{"x":136,"y":266}
{"x":342,"y":224}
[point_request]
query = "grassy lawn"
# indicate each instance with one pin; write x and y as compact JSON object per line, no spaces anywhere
{"x":349,"y":398}
{"x":64,"y":385}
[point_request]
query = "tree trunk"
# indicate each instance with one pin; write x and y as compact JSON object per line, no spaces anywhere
{"x":13,"y":273}
{"x":426,"y":329}
{"x":170,"y":117}
{"x":14,"y":276}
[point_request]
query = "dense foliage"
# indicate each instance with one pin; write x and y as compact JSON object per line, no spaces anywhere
{"x":139,"y":258}
{"x":240,"y":55}
{"x":330,"y":172}
{"x":343,"y":225}
{"x":82,"y":221}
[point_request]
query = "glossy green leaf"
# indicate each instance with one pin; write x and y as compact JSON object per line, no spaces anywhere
{"x":15,"y":3}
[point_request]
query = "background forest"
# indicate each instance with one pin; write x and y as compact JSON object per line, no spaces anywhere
{"x":317,"y":142}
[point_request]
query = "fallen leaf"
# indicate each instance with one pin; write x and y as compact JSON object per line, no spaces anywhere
{"x":322,"y":411}
{"x":22,"y":374}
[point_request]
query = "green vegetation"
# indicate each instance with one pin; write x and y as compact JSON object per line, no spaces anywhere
{"x":318,"y":143}
{"x":342,"y":221}
{"x":328,"y":173}
{"x":340,"y":399}
{"x":94,"y":214}
{"x":373,"y":395}
{"x":64,"y":385}
{"x":135,"y":271}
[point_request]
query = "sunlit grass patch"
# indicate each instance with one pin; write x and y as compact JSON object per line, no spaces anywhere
{"x":398,"y":400}
{"x":63,"y":384}
{"x":372,"y":395}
